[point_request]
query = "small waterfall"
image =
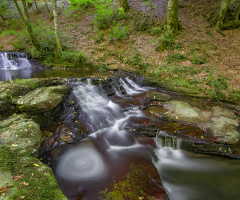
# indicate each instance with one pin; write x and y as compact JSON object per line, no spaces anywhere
{"x":165,"y":140}
{"x":100,"y":112}
{"x":14,"y":61}
{"x":131,"y":87}
{"x":14,"y":65}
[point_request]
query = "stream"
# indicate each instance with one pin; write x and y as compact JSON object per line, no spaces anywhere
{"x":105,"y":156}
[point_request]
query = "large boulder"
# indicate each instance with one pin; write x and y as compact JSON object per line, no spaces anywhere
{"x":42,"y":99}
{"x":20,"y":133}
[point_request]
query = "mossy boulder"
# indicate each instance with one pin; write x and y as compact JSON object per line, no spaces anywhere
{"x":42,"y":99}
{"x":19,"y":132}
{"x":158,"y":96}
{"x":11,"y":91}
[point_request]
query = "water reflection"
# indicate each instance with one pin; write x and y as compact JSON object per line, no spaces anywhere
{"x":9,"y":75}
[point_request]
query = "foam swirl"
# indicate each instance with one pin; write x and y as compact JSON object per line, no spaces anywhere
{"x":81,"y":163}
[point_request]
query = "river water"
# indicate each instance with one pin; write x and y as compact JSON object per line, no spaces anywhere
{"x":110,"y":159}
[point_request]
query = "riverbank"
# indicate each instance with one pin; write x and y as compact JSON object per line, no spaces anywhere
{"x":200,"y":62}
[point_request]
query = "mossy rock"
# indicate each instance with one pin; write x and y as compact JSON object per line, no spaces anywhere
{"x":6,"y":184}
{"x":20,"y":133}
{"x":224,"y":129}
{"x":42,"y":99}
{"x":158,"y":96}
{"x":183,"y":112}
{"x":11,"y":91}
{"x":27,"y":177}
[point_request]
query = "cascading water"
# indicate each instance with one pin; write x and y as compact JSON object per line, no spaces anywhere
{"x":14,"y":65}
{"x":90,"y":165}
{"x":103,"y":161}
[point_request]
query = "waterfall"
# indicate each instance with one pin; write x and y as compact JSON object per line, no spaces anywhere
{"x":13,"y":65}
{"x":14,"y":61}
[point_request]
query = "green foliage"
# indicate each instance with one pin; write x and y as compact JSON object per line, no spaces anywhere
{"x":198,"y":59}
{"x":234,"y":95}
{"x":119,"y":33}
{"x":81,"y":4}
{"x":106,"y":14}
{"x":102,"y":68}
{"x":166,"y":42}
{"x":9,"y":32}
{"x":4,"y":7}
{"x":99,"y":36}
{"x":141,"y":25}
{"x":73,"y":58}
{"x":157,"y":31}
{"x":177,"y":57}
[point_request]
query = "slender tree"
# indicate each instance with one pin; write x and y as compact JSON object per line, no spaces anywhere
{"x":55,"y":16}
{"x":36,"y":6}
{"x":49,"y":13}
{"x":25,"y":17}
{"x":123,"y":4}
{"x":237,"y":13}
{"x":172,"y":16}
{"x":221,"y":15}
{"x":3,"y":9}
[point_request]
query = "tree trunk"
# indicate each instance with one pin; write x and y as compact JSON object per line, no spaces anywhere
{"x":221,"y":15}
{"x":27,"y":23}
{"x":172,"y":16}
{"x":36,"y":6}
{"x":123,"y":4}
{"x":55,"y":16}
{"x":237,"y":13}
{"x":49,"y":13}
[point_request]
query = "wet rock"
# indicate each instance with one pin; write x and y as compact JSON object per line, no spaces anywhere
{"x":158,"y":96}
{"x":11,"y":91}
{"x":6,"y":183}
{"x":42,"y":99}
{"x":223,"y":129}
{"x":218,"y":111}
{"x":183,"y":112}
{"x":20,"y":133}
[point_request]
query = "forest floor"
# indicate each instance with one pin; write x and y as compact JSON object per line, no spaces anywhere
{"x":200,"y":62}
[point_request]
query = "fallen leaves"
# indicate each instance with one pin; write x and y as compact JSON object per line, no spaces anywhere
{"x":3,"y":189}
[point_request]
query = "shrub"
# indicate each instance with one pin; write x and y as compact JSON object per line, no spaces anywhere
{"x":198,"y":59}
{"x":175,"y":58}
{"x":167,"y":42}
{"x":119,"y":33}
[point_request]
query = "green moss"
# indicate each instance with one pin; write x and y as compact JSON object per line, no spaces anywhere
{"x":32,"y":179}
